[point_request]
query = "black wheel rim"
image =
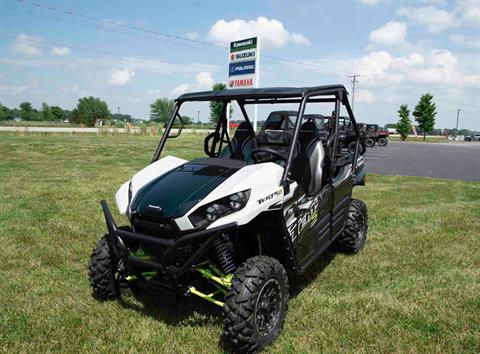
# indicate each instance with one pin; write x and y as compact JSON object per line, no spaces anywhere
{"x":360,"y":233}
{"x":267,"y":308}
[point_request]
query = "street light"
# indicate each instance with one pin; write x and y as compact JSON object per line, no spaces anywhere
{"x":198,"y":117}
{"x":458,"y":115}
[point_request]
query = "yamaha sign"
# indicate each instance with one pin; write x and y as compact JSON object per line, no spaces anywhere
{"x":243,"y":63}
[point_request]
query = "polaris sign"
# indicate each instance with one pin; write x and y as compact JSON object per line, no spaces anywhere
{"x":242,"y":68}
{"x":243,"y":63}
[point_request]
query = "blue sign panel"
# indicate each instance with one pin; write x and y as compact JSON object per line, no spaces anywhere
{"x":242,"y":68}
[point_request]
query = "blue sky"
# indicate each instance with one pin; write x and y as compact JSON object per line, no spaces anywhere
{"x":399,"y":49}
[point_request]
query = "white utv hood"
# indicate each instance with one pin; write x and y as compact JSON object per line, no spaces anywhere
{"x":144,"y":176}
{"x":262,"y":180}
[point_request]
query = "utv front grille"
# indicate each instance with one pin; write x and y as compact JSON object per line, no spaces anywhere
{"x":164,"y":229}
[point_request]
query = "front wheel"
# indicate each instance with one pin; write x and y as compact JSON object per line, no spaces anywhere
{"x":382,"y":141}
{"x":101,"y":271}
{"x":370,"y":142}
{"x":256,"y":304}
{"x":354,"y":234}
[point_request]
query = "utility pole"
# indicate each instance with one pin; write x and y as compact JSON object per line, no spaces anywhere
{"x":354,"y":83}
{"x":118,"y":109}
{"x":458,"y":115}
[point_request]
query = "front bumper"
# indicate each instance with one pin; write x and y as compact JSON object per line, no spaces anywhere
{"x":117,"y":237}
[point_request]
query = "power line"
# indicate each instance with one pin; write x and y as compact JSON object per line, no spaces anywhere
{"x":102,"y":52}
{"x":176,"y":37}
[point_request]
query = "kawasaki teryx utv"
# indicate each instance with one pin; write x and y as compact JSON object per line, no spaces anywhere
{"x":233,"y":227}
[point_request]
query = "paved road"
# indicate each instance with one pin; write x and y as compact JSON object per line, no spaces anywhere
{"x":453,"y":160}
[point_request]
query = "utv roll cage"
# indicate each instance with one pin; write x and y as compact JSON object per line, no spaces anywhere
{"x":276,"y":95}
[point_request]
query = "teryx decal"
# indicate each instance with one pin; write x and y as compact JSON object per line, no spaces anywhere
{"x":277,"y":193}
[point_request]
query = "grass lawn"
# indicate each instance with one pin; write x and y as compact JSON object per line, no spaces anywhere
{"x":419,"y":139}
{"x":414,"y":288}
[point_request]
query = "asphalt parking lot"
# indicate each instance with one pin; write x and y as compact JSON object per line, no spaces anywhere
{"x":453,"y":160}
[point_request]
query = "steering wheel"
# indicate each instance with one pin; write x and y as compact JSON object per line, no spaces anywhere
{"x":275,"y":155}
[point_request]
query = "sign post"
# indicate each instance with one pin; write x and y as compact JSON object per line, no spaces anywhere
{"x":244,"y":68}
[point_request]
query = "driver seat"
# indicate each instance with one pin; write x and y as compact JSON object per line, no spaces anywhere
{"x":243,"y":143}
{"x":305,"y":169}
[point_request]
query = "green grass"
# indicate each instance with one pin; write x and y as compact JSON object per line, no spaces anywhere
{"x":419,"y":139}
{"x":414,"y":288}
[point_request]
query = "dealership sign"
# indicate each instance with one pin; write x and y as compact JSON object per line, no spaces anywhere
{"x":243,"y":63}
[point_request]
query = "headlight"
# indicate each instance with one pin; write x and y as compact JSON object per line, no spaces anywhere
{"x":209,"y":213}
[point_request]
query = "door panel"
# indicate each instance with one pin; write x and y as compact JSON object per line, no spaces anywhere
{"x":342,"y":191}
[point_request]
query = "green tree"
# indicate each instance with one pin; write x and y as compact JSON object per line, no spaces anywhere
{"x":57,"y":113}
{"x":46,"y":112}
{"x":187,"y":120}
{"x":216,"y":106}
{"x":26,"y":111}
{"x":161,"y":109}
{"x":89,"y":110}
{"x":5,"y":113}
{"x":404,"y":125}
{"x":424,"y":113}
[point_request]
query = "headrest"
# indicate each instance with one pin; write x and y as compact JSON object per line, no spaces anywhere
{"x":308,"y":128}
{"x":245,"y":127}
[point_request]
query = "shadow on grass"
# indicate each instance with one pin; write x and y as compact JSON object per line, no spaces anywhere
{"x":300,"y":282}
{"x":164,"y":306}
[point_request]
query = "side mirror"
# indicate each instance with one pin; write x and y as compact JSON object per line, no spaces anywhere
{"x":177,"y":127}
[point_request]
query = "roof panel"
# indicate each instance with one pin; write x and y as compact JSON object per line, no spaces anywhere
{"x":258,"y":93}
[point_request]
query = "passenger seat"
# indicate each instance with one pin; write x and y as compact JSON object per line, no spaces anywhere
{"x":243,"y":143}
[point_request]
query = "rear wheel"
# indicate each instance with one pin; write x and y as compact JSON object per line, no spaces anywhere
{"x":370,"y":142}
{"x":382,"y":141}
{"x":351,"y":148}
{"x":256,"y":304}
{"x":354,"y":234}
{"x":101,"y":271}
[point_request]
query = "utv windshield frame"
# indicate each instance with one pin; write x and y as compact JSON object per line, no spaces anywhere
{"x":331,"y":93}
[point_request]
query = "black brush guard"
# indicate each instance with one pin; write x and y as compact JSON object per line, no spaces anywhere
{"x":116,"y":237}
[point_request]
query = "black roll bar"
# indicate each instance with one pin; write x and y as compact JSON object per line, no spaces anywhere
{"x":168,"y":127}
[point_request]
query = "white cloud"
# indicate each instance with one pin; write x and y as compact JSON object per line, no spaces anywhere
{"x":180,"y":89}
{"x":26,"y":45}
{"x":469,"y":12}
{"x":381,"y":68}
{"x":120,"y":77}
{"x":467,"y":41}
{"x":299,"y":38}
{"x":192,"y":35}
{"x":392,"y":33}
{"x":272,"y":33}
{"x":435,"y":19}
{"x":373,"y":65}
{"x":204,"y":79}
{"x":364,"y":96}
{"x":369,"y":2}
{"x":61,"y":51}
{"x":12,"y":89}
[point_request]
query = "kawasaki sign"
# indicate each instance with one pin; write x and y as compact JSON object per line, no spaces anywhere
{"x":243,"y":69}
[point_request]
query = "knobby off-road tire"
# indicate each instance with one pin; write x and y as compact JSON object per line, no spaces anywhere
{"x":382,"y":141}
{"x":370,"y":142}
{"x":354,"y":234}
{"x":256,"y":304}
{"x":101,"y":272}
